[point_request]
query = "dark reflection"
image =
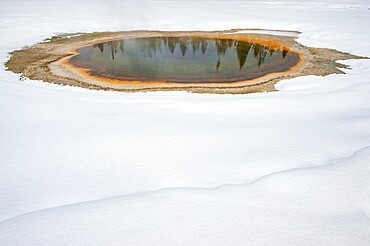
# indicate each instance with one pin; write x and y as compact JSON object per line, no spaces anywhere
{"x":242,"y":50}
{"x":171,"y":51}
{"x":285,"y":52}
{"x":183,"y":46}
{"x":150,"y":46}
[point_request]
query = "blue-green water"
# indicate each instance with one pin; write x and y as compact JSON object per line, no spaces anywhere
{"x":183,"y":59}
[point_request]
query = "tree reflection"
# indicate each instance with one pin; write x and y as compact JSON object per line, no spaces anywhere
{"x":183,"y":46}
{"x":285,"y":52}
{"x":113,"y":48}
{"x":242,"y":51}
{"x":150,"y":47}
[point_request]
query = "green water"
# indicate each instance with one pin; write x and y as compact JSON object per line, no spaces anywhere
{"x":183,"y":59}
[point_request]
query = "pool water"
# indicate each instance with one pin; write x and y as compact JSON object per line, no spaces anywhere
{"x":183,"y":59}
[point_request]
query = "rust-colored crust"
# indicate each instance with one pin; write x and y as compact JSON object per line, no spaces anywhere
{"x":51,"y":60}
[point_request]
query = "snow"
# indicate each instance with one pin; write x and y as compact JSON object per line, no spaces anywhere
{"x":269,"y":211}
{"x":82,"y":167}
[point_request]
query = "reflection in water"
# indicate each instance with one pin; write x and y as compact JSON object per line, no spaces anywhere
{"x":187,"y":58}
{"x":150,"y":46}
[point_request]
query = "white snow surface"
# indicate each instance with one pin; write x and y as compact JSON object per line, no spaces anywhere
{"x":83,"y":167}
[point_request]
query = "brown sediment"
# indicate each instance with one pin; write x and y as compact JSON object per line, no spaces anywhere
{"x":49,"y":61}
